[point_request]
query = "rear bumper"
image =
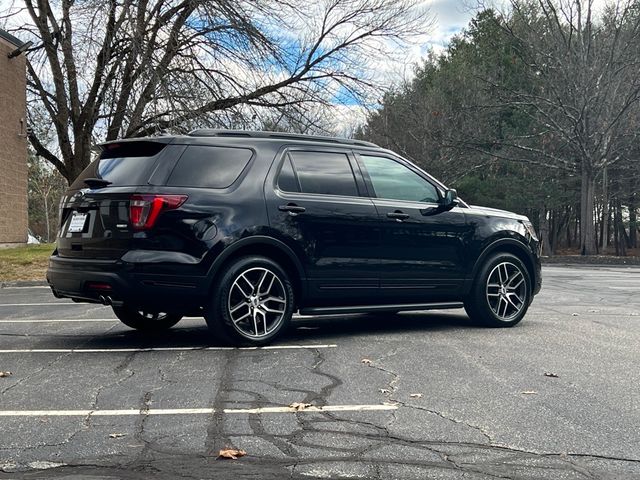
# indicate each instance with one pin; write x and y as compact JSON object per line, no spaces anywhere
{"x":116,"y":282}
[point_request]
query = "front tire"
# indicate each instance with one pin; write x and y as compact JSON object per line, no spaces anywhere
{"x":146,"y":321}
{"x":252,"y":302}
{"x":501,"y":292}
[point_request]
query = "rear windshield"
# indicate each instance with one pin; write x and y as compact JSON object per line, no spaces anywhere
{"x":123,"y":164}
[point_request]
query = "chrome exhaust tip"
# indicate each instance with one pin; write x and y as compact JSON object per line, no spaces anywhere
{"x":105,"y":300}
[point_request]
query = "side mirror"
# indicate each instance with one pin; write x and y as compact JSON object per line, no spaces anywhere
{"x":445,"y":204}
{"x":450,"y":199}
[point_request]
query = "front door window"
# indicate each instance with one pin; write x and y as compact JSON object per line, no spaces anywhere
{"x":393,"y":181}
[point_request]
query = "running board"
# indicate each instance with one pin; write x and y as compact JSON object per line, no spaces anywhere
{"x":379,"y":308}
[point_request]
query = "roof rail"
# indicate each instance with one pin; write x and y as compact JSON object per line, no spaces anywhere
{"x":206,"y":132}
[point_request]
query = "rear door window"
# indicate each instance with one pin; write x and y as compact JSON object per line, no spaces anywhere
{"x":209,"y":167}
{"x":287,"y":181}
{"x":325,"y":173}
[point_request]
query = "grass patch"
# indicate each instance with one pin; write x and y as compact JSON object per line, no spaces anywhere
{"x":25,"y":263}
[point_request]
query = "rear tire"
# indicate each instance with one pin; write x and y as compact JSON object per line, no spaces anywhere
{"x":252,"y":302}
{"x":146,"y":321}
{"x":501,"y":292}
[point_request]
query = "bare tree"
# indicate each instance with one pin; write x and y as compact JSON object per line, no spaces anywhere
{"x":584,"y":68}
{"x":46,"y":187}
{"x":125,"y":68}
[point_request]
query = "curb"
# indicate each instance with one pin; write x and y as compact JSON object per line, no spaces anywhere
{"x":24,"y":283}
{"x":596,"y":260}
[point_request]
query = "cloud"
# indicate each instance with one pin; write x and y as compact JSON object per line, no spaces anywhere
{"x":451,"y":17}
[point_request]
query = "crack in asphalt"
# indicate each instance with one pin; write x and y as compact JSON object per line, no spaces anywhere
{"x":152,"y":447}
{"x":51,"y":363}
{"x":392,"y":388}
{"x":216,"y":437}
{"x":165,"y":460}
{"x":491,"y":468}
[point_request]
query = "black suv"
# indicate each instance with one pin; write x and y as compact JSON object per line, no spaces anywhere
{"x":246,"y":228}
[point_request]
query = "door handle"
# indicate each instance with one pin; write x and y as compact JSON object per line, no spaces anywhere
{"x":292,"y":208}
{"x":398,"y":215}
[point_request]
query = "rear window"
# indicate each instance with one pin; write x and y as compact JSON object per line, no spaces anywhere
{"x":122,"y":164}
{"x":209,"y":167}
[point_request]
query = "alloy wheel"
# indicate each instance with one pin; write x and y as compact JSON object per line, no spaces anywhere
{"x":257,"y":302}
{"x":506,"y":291}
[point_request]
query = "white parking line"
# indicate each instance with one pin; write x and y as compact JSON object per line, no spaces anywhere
{"x":43,"y":304}
{"x":63,"y":320}
{"x":161,"y":349}
{"x":193,"y":411}
{"x":89,"y":320}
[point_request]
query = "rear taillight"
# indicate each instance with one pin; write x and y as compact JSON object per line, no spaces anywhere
{"x":145,"y":209}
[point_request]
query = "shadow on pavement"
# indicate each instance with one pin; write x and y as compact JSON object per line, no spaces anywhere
{"x":312,"y":330}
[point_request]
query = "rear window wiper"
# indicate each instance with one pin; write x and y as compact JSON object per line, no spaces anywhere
{"x":97,"y":182}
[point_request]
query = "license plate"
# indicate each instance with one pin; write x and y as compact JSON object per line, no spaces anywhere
{"x":77,"y":222}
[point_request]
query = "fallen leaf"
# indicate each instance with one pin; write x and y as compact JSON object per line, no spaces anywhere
{"x":117,"y":435}
{"x":366,"y":361}
{"x":231,"y":453}
{"x":575,"y":314}
{"x":297,"y":406}
{"x":594,"y":311}
{"x":415,"y":395}
{"x":385,"y":391}
{"x":551,"y":374}
{"x":529,"y":392}
{"x":5,"y":374}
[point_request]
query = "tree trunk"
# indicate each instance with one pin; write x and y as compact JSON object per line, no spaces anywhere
{"x":46,"y":216}
{"x":569,"y":224}
{"x":587,"y":226}
{"x":560,"y":219}
{"x":576,"y":227}
{"x":633,"y":222}
{"x":605,"y":210}
{"x":621,"y":244}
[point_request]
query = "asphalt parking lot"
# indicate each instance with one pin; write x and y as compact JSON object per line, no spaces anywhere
{"x":418,"y":395}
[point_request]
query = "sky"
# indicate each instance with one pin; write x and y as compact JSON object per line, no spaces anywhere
{"x":451,"y":16}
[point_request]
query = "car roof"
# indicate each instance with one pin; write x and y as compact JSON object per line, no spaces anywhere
{"x":250,"y":134}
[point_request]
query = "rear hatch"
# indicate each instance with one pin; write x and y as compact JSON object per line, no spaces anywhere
{"x":96,"y":212}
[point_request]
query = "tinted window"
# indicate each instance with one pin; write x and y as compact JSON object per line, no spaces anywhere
{"x":324,"y":173}
{"x":287,"y":181}
{"x":209,"y":167}
{"x":127,"y":163}
{"x":394,"y":181}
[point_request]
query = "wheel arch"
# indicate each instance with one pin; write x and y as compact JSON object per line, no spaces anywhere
{"x":264,"y":246}
{"x":505,"y":245}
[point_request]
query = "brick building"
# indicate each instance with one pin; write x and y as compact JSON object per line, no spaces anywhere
{"x":13,"y":142}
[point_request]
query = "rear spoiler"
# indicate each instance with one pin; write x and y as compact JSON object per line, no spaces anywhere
{"x":100,"y":147}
